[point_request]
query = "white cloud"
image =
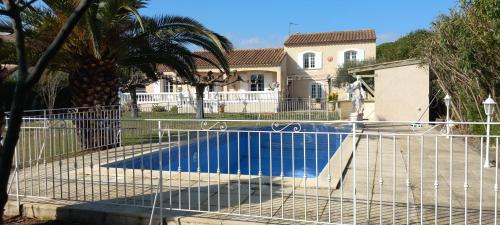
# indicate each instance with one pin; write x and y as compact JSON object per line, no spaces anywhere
{"x":387,"y":37}
{"x":251,"y":42}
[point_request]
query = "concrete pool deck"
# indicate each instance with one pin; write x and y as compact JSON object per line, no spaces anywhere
{"x":373,"y":203}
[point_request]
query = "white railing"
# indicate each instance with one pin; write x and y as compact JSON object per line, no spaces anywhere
{"x":212,"y":100}
{"x":143,"y":98}
{"x":316,"y":171}
{"x":261,"y":105}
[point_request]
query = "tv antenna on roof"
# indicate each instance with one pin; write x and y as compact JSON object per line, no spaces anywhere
{"x":290,"y":27}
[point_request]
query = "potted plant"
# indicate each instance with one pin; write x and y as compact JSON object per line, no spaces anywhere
{"x":333,"y":97}
{"x":221,"y":108}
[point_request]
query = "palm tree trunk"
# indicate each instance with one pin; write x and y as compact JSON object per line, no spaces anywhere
{"x":94,"y":86}
{"x":200,"y":88}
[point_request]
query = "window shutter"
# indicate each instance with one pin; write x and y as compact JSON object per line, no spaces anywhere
{"x":360,"y":56}
{"x":318,"y":60}
{"x":157,"y":86}
{"x":300,"y":61}
{"x":267,"y":81}
{"x":340,"y":58}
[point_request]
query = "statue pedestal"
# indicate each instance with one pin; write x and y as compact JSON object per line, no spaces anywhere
{"x":356,"y":117}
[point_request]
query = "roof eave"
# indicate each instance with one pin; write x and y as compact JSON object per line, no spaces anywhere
{"x":329,"y":42}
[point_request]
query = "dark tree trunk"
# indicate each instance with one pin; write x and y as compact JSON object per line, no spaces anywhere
{"x":133,"y":96}
{"x":94,"y":86}
{"x":200,"y":89}
{"x":3,"y":196}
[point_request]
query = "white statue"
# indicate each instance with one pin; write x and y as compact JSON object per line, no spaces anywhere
{"x":357,"y":95}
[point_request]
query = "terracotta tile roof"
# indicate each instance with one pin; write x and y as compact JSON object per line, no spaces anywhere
{"x":330,"y":37}
{"x":247,"y":57}
{"x":242,"y":58}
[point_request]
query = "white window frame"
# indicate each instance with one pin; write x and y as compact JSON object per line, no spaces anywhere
{"x":314,"y":92}
{"x":360,"y":55}
{"x":308,"y":60}
{"x":258,"y":87}
{"x":316,"y":57}
{"x":350,"y":58}
{"x":168,"y":87}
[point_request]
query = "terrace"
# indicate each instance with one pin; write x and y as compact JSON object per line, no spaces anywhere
{"x":250,"y":171}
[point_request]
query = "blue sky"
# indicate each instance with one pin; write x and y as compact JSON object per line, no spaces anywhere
{"x":261,"y":23}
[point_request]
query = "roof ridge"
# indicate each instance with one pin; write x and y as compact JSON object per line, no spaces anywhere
{"x":329,"y":32}
{"x":246,"y":49}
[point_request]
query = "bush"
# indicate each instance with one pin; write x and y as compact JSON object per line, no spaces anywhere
{"x":157,"y":108}
{"x":174,"y":109}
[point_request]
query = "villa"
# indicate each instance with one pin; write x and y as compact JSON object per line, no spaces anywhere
{"x":301,"y":69}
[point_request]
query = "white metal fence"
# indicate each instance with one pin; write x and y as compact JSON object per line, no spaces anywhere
{"x":320,"y":172}
{"x":262,"y":105}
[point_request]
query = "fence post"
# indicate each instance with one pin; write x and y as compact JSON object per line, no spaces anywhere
{"x":160,"y":182}
{"x":309,"y":108}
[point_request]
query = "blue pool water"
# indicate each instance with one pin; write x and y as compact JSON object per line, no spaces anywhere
{"x":213,"y":150}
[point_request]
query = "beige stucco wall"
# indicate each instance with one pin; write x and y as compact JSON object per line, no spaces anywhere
{"x":272,"y":74}
{"x":331,"y":51}
{"x":402,"y":93}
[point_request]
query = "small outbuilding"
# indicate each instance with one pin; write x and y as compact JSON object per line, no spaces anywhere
{"x":401,"y":90}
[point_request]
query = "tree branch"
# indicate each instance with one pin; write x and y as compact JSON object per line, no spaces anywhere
{"x":58,"y":42}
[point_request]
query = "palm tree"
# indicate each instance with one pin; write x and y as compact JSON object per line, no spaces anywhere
{"x":113,"y":34}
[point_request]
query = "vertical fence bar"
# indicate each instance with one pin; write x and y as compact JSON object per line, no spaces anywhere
{"x":368,"y":179}
{"x":466,"y":184}
{"x":393,"y":179}
{"x":451,"y":180}
{"x":436,"y":181}
{"x":239,"y":173}
{"x":380,"y":179}
{"x":341,"y":183}
{"x":329,"y":181}
{"x":353,"y":172}
{"x":271,"y":173}
{"x":496,"y":183}
{"x":229,"y":170}
{"x":421,"y":178}
{"x":260,"y":175}
{"x":481,"y":185}
{"x":282,"y":177}
{"x":305,"y":176}
{"x":189,"y":168}
{"x":160,"y":166}
{"x":293,"y":175}
{"x":317,"y":174}
{"x":408,"y":184}
{"x":249,"y":175}
{"x":179,"y":169}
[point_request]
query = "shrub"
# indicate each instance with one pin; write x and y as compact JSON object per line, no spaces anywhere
{"x":333,"y":97}
{"x":157,"y":108}
{"x":174,"y":109}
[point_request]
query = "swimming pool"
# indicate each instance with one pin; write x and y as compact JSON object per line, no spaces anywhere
{"x":248,"y":150}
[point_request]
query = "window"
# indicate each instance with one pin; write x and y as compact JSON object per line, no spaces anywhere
{"x":168,"y":86}
{"x":316,"y":90}
{"x":211,"y":88}
{"x":257,"y":82}
{"x":309,"y":61}
{"x":350,"y":56}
